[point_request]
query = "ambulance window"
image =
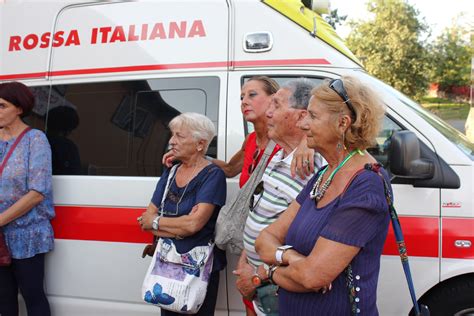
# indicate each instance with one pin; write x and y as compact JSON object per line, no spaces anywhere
{"x":280,"y":79}
{"x":121,"y":128}
{"x":155,"y":108}
{"x":381,"y":149}
{"x":37,"y":117}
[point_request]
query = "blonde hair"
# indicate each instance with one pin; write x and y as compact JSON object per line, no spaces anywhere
{"x":199,"y":126}
{"x":269,"y":85}
{"x":368,"y":107}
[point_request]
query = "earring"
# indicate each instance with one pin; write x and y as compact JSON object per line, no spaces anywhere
{"x":342,"y":144}
{"x":344,"y":141}
{"x":199,"y":148}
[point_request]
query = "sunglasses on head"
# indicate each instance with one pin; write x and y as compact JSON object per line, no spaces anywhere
{"x":338,"y":86}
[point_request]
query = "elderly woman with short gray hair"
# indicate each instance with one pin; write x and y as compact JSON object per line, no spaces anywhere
{"x":195,"y":194}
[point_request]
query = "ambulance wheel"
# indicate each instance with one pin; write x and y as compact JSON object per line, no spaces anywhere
{"x":452,"y":297}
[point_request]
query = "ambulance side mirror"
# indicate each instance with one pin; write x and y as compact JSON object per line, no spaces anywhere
{"x":404,"y":157}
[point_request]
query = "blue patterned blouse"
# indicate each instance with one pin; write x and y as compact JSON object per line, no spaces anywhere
{"x":29,"y":168}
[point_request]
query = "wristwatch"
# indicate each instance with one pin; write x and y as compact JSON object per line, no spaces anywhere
{"x":155,"y":222}
{"x":271,"y":272}
{"x":279,"y":253}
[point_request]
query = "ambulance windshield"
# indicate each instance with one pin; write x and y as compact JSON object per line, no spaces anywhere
{"x":455,"y":136}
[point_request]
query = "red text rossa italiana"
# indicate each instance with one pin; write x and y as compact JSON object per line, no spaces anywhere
{"x":110,"y":34}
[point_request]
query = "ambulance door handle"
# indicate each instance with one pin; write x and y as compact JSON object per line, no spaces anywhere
{"x":463,"y":243}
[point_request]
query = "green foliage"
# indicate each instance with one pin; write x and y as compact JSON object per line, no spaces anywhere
{"x":334,"y":19}
{"x":390,"y":45}
{"x":438,"y":100}
{"x":451,"y":58}
{"x":445,"y":108}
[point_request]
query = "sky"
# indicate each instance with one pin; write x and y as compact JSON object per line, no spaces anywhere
{"x":438,"y":14}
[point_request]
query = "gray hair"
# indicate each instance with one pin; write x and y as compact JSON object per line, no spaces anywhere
{"x":300,"y":92}
{"x":199,"y":125}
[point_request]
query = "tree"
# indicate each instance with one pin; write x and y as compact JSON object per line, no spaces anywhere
{"x":333,"y":18}
{"x":451,"y":56}
{"x":390,"y":45}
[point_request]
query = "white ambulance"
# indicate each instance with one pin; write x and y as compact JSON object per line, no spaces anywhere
{"x":121,"y":70}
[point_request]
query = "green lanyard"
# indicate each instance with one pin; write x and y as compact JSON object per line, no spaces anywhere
{"x":351,"y":154}
{"x":317,"y":192}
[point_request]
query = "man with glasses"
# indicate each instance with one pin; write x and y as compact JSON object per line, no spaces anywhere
{"x":278,"y":188}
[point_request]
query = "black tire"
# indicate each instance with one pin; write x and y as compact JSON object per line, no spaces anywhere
{"x":452,"y":297}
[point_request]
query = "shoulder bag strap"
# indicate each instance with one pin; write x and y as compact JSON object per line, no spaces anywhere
{"x":167,"y":187}
{"x":262,"y":164}
{"x":249,"y":187}
{"x":160,"y":208}
{"x":10,"y":152}
{"x":419,"y":308}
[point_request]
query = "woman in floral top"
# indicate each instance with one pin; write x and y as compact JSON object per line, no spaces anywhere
{"x":26,"y":204}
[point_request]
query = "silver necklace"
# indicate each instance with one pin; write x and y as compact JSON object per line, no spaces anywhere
{"x":318,"y":191}
{"x":185,"y":188}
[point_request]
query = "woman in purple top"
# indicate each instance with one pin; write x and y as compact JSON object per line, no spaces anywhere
{"x":331,"y":237}
{"x":26,"y":204}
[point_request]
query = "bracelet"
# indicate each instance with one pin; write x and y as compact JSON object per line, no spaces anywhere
{"x":271,"y":272}
{"x":156,"y":223}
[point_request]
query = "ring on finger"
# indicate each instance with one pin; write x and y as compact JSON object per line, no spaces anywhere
{"x":139,"y":218}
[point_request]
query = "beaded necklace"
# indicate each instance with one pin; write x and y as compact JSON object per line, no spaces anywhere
{"x":318,"y":191}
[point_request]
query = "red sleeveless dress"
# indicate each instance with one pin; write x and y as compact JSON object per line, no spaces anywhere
{"x":252,"y":157}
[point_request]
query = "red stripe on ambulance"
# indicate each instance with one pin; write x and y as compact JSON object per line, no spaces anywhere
{"x":421,"y":237}
{"x":99,"y":224}
{"x":280,"y":62}
{"x":199,"y":65}
{"x":113,"y":224}
{"x":24,"y":76}
{"x":217,"y":64}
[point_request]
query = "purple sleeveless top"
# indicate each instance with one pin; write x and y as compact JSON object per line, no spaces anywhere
{"x":358,"y":218}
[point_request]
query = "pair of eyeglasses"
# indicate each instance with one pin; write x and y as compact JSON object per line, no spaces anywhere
{"x":253,"y":165}
{"x":338,"y":86}
{"x":258,"y":191}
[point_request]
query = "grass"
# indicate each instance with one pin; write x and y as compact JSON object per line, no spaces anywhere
{"x":445,"y":108}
